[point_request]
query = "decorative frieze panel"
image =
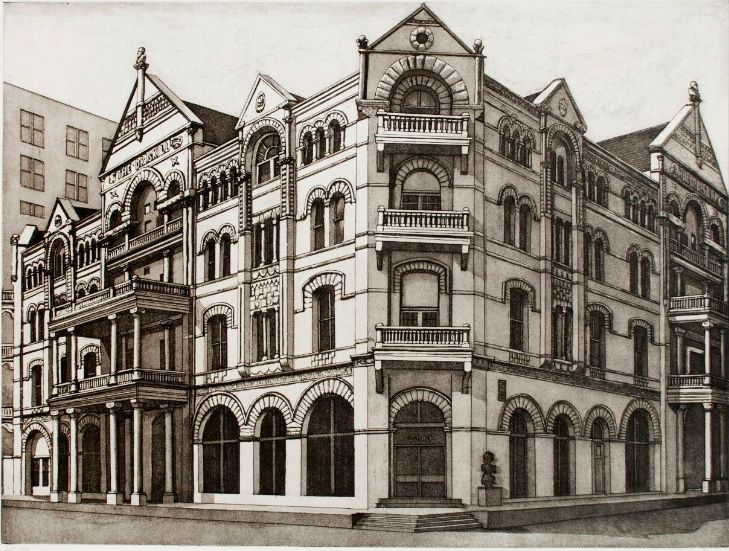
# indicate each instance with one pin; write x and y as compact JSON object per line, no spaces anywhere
{"x":695,"y":184}
{"x":278,"y":380}
{"x":641,"y":187}
{"x":561,"y":291}
{"x":264,"y":293}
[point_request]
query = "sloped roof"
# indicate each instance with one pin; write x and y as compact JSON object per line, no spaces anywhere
{"x":218,"y":127}
{"x":633,"y":147}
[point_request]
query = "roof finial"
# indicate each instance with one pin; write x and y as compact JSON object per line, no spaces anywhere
{"x":362,"y":42}
{"x":141,"y":62}
{"x":694,"y":96}
{"x":478,"y":46}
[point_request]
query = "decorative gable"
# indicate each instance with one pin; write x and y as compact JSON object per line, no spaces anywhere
{"x":266,"y":96}
{"x":62,"y":214}
{"x":558,"y":100}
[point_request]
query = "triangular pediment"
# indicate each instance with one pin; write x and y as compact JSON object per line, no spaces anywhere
{"x":558,"y":100}
{"x":62,"y":214}
{"x":265,"y":96}
{"x":686,"y":139}
{"x":160,"y":104}
{"x":421,"y":31}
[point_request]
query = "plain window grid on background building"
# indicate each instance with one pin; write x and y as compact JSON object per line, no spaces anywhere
{"x":32,"y":128}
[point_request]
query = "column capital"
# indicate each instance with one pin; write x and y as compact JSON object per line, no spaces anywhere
{"x":73,"y":412}
{"x":111,"y":317}
{"x":136,"y":404}
{"x":166,"y":253}
{"x":52,"y":335}
{"x":682,"y":407}
{"x":56,"y":413}
{"x":708,"y":406}
{"x":135,"y":312}
{"x":165,"y":407}
{"x":70,"y":329}
{"x":678,"y":269}
{"x":113,"y":406}
{"x":707,"y":325}
{"x":680,"y":332}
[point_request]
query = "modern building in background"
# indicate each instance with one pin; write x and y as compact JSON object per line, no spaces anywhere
{"x":50,"y":150}
{"x":345,"y":300}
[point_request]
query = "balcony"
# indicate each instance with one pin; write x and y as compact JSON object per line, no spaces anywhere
{"x":172,"y":228}
{"x":126,"y":384}
{"x":696,"y":258}
{"x":696,"y":308}
{"x":696,"y":388}
{"x":134,"y":293}
{"x":432,"y":230}
{"x":435,"y":337}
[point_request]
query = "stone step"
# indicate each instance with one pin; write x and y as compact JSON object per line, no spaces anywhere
{"x":434,"y":522}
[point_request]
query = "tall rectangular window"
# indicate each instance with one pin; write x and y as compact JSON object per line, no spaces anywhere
{"x":31,"y":209}
{"x":32,"y":128}
{"x":77,"y":186}
{"x":105,"y":147}
{"x":517,"y":304}
{"x":325,"y":318}
{"x":32,"y":173}
{"x":640,"y":351}
{"x":77,"y":143}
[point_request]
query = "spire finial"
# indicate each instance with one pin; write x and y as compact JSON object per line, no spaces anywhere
{"x":141,"y":62}
{"x":694,"y":96}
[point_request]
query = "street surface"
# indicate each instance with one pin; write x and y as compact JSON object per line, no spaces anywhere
{"x":702,"y":526}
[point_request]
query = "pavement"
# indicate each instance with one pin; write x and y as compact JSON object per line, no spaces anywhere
{"x":703,"y":526}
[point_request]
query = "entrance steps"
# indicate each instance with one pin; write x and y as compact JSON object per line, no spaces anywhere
{"x":434,"y":522}
{"x":419,"y":502}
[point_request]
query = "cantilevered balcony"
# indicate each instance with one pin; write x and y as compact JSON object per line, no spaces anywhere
{"x":423,"y":230}
{"x":166,"y":232}
{"x":423,"y":337}
{"x":140,"y":293}
{"x":697,"y":388}
{"x":697,"y":308}
{"x":696,"y":258}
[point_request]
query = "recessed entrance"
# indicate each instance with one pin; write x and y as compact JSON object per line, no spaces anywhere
{"x":419,"y":445}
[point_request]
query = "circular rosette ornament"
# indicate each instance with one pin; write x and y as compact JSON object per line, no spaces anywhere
{"x":421,"y":38}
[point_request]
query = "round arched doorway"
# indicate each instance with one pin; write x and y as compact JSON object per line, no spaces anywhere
{"x":637,"y":452}
{"x":419,"y":451}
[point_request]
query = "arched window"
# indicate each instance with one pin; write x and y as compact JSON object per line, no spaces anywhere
{"x":645,"y":277}
{"x":91,"y":460}
{"x":58,"y":259}
{"x":504,"y":141}
{"x":587,"y":255}
{"x":518,"y":302}
{"x":221,"y":453}
{"x":217,"y":330}
{"x":41,"y":324}
{"x":63,"y":462}
{"x":144,"y":209}
{"x":267,"y":152}
{"x":528,"y":146}
{"x":65,"y":370}
{"x":420,"y":100}
{"x":336,"y":223}
{"x":93,"y":288}
{"x":264,"y":334}
{"x":214,"y":191}
{"x":590,"y":186}
{"x":32,"y":325}
{"x":225,"y":255}
{"x":317,"y":225}
{"x":420,"y":191}
{"x":599,"y":457}
{"x":636,"y":210}
{"x":419,"y":450}
{"x":597,"y":339}
{"x":223,"y":186}
{"x":525,"y":227}
{"x":210,"y":260}
{"x":321,"y":143}
{"x":640,"y":354}
{"x":638,"y":452}
{"x":89,"y":365}
{"x":330,"y":448}
{"x":272,"y":453}
{"x":627,"y":205}
{"x":643,"y":214}
{"x":114,"y":219}
{"x":335,"y":131}
{"x":514,"y":143}
{"x":308,"y":151}
{"x":419,"y":299}
{"x":173,"y":189}
{"x":519,"y":454}
{"x":29,"y":278}
{"x":509,"y":220}
{"x":81,"y":293}
{"x":80,"y":256}
{"x":325,"y":319}
{"x":563,"y":456}
{"x":36,"y":375}
{"x":39,"y":454}
{"x":599,"y":259}
{"x":651,"y":218}
{"x":716,"y":236}
{"x":633,"y":262}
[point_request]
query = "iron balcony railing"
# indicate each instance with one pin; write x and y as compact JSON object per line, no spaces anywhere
{"x":422,"y":219}
{"x":698,"y":380}
{"x":412,"y":123}
{"x":699,"y":303}
{"x":124,"y":288}
{"x":696,"y":257}
{"x":147,"y":238}
{"x":423,"y":336}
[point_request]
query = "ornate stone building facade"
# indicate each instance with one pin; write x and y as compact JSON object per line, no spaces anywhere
{"x":345,"y":300}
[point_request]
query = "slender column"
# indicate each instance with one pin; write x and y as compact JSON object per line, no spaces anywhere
{"x":266,"y":335}
{"x":169,"y":495}
{"x":680,"y":477}
{"x":707,"y":325}
{"x":114,"y":497}
{"x":48,"y":373}
{"x":138,"y":496}
{"x":708,"y":466}
{"x":53,"y":363}
{"x":137,"y":336}
{"x":166,"y":265}
{"x":55,"y":467}
{"x":168,"y":351}
{"x":127,"y":457}
{"x":113,"y":352}
{"x":680,"y":352}
{"x":679,"y":281}
{"x":74,"y":496}
{"x":127,"y":269}
{"x":722,"y":353}
{"x":274,"y":229}
{"x":71,"y":357}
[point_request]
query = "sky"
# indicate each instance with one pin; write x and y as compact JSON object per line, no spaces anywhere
{"x":628,"y":64}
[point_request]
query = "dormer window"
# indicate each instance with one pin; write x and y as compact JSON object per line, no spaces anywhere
{"x":267,"y":166}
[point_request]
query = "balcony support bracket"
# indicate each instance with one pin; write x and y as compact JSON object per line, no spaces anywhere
{"x":379,"y":378}
{"x":379,"y":253}
{"x":464,"y":257}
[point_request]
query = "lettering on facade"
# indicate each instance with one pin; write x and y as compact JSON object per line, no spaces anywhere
{"x":144,"y":159}
{"x":687,"y":138}
{"x":696,"y":185}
